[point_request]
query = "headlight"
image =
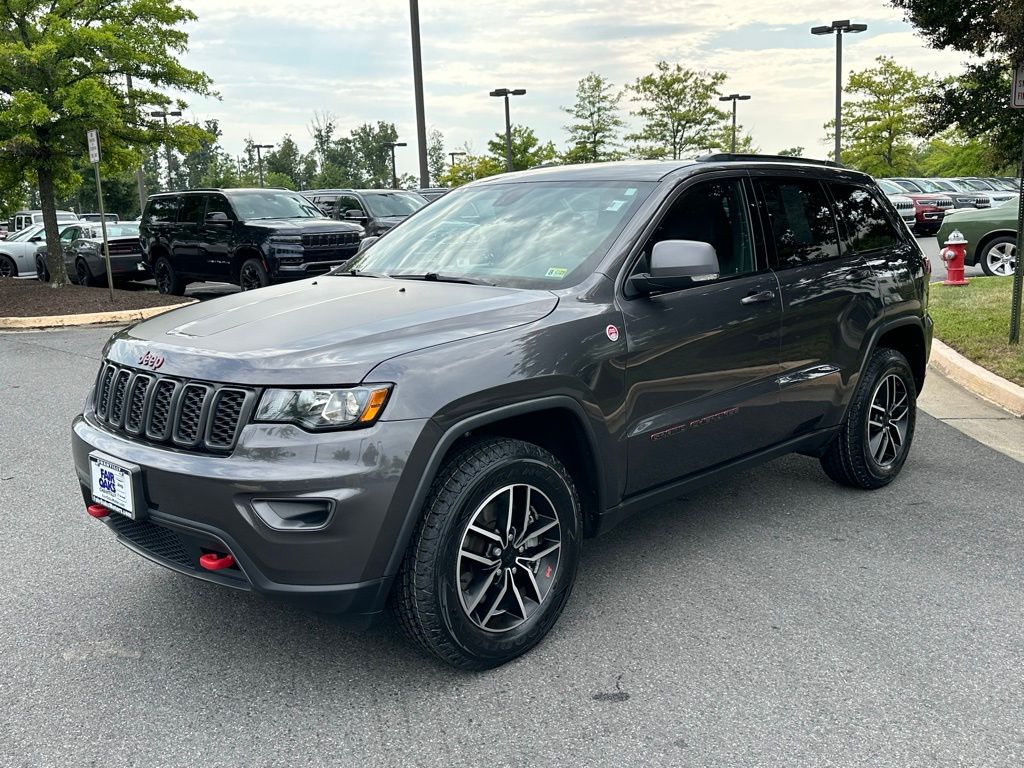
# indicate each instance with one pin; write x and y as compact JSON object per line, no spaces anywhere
{"x":324,"y":408}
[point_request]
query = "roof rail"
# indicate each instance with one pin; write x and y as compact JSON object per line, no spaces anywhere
{"x":724,"y":157}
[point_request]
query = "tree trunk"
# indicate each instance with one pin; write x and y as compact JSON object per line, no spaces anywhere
{"x":54,"y":251}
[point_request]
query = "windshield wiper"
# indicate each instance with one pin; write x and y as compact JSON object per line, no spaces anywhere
{"x":355,"y":273}
{"x":435,"y":277}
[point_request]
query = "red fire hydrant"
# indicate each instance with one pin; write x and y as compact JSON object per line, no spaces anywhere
{"x":953,"y":256}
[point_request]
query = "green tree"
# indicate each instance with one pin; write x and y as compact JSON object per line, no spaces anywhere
{"x":978,"y":101}
{"x":953,"y":153}
{"x":885,"y":118}
{"x":435,"y":156}
{"x":373,"y":156}
{"x":285,"y":162}
{"x":676,"y":110}
{"x":471,"y":167}
{"x":596,"y":123}
{"x":63,"y":65}
{"x":722,"y":139}
{"x":527,"y":150}
{"x":792,"y":152}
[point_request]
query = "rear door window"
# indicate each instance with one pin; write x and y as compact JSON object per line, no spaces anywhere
{"x":867,"y":224}
{"x":192,"y":209}
{"x":803,"y":227}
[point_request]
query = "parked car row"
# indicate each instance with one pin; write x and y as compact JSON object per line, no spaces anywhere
{"x":932,"y":199}
{"x":991,"y":235}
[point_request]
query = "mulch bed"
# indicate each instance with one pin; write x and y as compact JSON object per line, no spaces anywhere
{"x":30,"y":298}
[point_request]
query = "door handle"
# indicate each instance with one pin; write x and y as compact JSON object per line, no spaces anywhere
{"x":758,"y":298}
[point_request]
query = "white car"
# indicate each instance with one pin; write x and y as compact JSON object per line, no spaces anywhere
{"x":17,"y":252}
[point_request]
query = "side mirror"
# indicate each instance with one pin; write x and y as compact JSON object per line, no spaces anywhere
{"x":217,"y":217}
{"x":35,"y":239}
{"x":677,"y":264}
{"x":366,"y":243}
{"x":355,"y":215}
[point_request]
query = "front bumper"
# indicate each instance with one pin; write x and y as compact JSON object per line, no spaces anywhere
{"x":196,"y":503}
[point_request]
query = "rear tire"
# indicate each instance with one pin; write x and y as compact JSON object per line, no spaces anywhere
{"x":168,"y":281}
{"x":999,"y":257}
{"x":252,"y":275}
{"x":7,"y":267}
{"x":512,"y":507}
{"x":874,"y":440}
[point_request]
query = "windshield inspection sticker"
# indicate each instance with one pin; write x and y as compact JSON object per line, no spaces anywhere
{"x":558,"y":272}
{"x":631,"y":191}
{"x":615,"y":205}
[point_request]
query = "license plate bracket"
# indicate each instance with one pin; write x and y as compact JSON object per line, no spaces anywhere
{"x":117,"y":485}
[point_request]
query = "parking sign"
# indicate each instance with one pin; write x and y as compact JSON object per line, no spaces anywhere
{"x":1018,"y":88}
{"x":94,"y":146}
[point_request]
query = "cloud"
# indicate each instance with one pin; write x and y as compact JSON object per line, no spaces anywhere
{"x":276,"y":63}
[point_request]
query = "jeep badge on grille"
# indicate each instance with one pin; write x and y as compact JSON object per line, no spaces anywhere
{"x":151,"y":361}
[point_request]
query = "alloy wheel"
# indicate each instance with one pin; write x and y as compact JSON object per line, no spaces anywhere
{"x":163,"y":278}
{"x":1002,"y":259}
{"x":249,"y":279}
{"x":888,"y":420}
{"x":508,"y":558}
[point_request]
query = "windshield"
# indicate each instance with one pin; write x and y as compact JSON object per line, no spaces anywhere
{"x":909,"y":186}
{"x":113,"y":230}
{"x":539,"y":234}
{"x":890,"y":188}
{"x":24,"y":234}
{"x":268,"y":204}
{"x":928,"y":185}
{"x":976,"y":185}
{"x":383,"y":204}
{"x":67,"y":216}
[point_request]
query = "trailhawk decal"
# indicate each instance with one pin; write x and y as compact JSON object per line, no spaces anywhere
{"x":699,"y":422}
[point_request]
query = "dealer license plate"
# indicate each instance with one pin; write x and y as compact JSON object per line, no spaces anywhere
{"x":112,"y":485}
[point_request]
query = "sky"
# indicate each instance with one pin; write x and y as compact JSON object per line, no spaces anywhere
{"x":275,"y":63}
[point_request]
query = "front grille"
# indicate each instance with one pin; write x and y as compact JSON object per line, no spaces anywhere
{"x":330,"y":239}
{"x":905,"y":205}
{"x":160,"y":541}
{"x":193,"y":415}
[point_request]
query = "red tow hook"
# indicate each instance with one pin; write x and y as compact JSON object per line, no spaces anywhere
{"x":97,"y":511}
{"x":212,"y":561}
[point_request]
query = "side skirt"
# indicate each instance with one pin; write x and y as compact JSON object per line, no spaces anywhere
{"x":810,"y":444}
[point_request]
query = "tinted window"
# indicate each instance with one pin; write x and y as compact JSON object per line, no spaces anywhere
{"x":269,"y":204}
{"x":192,"y":209}
{"x":394,"y":203}
{"x":803,"y":227}
{"x":714,"y":212}
{"x":867,"y":223}
{"x":69,"y":234}
{"x":344,"y":204}
{"x":218,"y":204}
{"x":162,"y":209}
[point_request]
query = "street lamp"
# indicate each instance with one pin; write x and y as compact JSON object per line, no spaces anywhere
{"x":259,"y":159}
{"x":167,"y":147}
{"x":505,"y":93}
{"x":394,"y":168}
{"x":838,"y":28}
{"x":734,"y":97}
{"x":453,"y":155}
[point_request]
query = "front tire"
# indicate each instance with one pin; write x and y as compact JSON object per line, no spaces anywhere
{"x":493,"y":560}
{"x":1000,"y":257}
{"x":252,"y":275}
{"x":168,"y":281}
{"x":7,"y":266}
{"x":874,"y":439}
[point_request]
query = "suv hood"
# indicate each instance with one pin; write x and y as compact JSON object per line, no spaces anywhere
{"x":302,"y":226}
{"x":332,"y":330}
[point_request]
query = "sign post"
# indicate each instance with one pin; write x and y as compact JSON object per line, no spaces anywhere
{"x":1017,"y":101}
{"x":94,"y":158}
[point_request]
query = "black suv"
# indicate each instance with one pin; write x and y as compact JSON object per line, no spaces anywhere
{"x":249,"y":237}
{"x":377,"y":210}
{"x":525,"y":362}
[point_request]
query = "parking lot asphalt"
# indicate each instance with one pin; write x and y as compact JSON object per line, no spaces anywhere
{"x":773,"y":620}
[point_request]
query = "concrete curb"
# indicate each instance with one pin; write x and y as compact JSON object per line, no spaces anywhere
{"x":87,"y":318}
{"x":980,"y":381}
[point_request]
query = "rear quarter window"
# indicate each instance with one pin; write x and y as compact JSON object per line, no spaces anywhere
{"x":162,"y":210}
{"x":866,"y":221}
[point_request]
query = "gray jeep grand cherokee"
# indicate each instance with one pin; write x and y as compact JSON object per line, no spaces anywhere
{"x":528,"y":361}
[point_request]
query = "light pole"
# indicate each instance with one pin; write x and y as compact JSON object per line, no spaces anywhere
{"x":167,"y":147}
{"x":838,"y":28}
{"x":734,"y":97}
{"x":417,"y":78}
{"x":505,"y":93}
{"x":394,"y":168}
{"x":453,"y":155}
{"x":259,"y":159}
